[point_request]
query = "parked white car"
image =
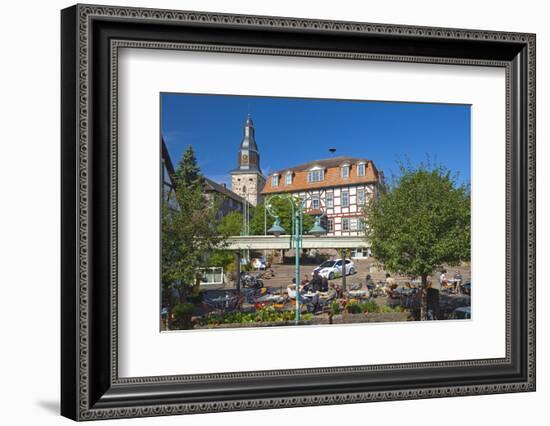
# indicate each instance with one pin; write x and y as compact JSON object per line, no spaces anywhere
{"x":333,"y":268}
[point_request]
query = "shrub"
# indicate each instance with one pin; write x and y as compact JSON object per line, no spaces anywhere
{"x":182,"y":309}
{"x":353,"y":308}
{"x":370,"y":306}
{"x":335,"y":308}
{"x":182,"y":314}
{"x":262,"y":314}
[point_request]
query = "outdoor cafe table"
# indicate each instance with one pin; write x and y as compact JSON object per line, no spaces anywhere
{"x":358,"y":294}
{"x":220,"y":301}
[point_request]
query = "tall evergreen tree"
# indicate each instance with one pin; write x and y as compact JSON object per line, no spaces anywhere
{"x":189,"y":234}
{"x":187,"y":174}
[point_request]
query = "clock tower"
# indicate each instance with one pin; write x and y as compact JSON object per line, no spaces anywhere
{"x":247,"y":180}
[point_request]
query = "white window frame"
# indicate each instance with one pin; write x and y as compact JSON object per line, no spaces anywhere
{"x":330,"y":225}
{"x":211,"y":272}
{"x":361,"y":224}
{"x":342,"y":198}
{"x":315,"y":198}
{"x":344,"y":221}
{"x":288,"y":178}
{"x":315,"y":175}
{"x":275,"y":180}
{"x":329,"y":200}
{"x":361,"y":197}
{"x":361,"y":169}
{"x":345,"y":174}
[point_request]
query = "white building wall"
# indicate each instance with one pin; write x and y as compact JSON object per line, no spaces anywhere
{"x":337,"y":213}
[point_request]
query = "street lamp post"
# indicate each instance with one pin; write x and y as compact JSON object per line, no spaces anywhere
{"x":296,"y":234}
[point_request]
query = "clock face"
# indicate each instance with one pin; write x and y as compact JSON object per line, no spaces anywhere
{"x":244,"y":158}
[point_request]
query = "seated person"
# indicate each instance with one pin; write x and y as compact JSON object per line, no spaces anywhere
{"x":291,"y":289}
{"x":310,"y":299}
{"x":390,"y":285}
{"x":316,"y":282}
{"x":369,"y":282}
{"x":331,"y":292}
{"x":407,"y":288}
{"x":355,"y":286}
{"x":306,"y":284}
{"x":324,"y":284}
{"x":329,"y":296}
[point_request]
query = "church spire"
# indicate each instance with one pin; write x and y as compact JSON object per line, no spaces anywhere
{"x":249,"y":156}
{"x":249,"y":139}
{"x":247,"y":180}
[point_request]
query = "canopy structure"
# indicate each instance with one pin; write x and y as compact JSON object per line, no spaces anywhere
{"x":284,"y":242}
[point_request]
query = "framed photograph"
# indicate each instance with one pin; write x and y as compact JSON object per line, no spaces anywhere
{"x":265,"y":212}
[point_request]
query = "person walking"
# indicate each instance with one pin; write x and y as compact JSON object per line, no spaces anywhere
{"x":443,"y":279}
{"x":458,"y":282}
{"x":432,"y":302}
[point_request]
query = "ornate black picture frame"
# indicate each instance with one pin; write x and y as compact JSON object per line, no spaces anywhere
{"x":91,"y":387}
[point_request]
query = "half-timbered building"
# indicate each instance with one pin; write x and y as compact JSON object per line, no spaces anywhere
{"x":337,"y":187}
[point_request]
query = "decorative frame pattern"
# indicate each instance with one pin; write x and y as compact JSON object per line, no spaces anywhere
{"x":89,"y":400}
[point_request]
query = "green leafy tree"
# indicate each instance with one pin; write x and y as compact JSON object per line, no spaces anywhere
{"x":420,"y":223}
{"x":188,"y":232}
{"x":283,"y":209}
{"x":230,"y":225}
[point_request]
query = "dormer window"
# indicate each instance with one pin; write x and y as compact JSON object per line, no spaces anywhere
{"x":361,"y":168}
{"x":275,"y":180}
{"x":344,"y":171}
{"x":315,"y":175}
{"x":288,"y":178}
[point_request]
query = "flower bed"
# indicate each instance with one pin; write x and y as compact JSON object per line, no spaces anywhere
{"x":255,"y":324}
{"x":396,"y":316}
{"x":261,"y":317}
{"x":340,"y":312}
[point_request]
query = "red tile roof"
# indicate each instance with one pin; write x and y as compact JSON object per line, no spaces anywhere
{"x":332,"y":177}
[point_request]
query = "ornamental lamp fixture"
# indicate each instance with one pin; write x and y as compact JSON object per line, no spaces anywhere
{"x":276,"y":229}
{"x":317,"y":229}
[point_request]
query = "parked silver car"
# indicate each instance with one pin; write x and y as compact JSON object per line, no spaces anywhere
{"x":333,"y":268}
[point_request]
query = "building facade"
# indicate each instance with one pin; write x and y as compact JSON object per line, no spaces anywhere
{"x":339,"y":188}
{"x":228,"y":200}
{"x":247,"y":180}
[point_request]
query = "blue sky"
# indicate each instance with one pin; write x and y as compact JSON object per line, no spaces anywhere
{"x":292,"y":131}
